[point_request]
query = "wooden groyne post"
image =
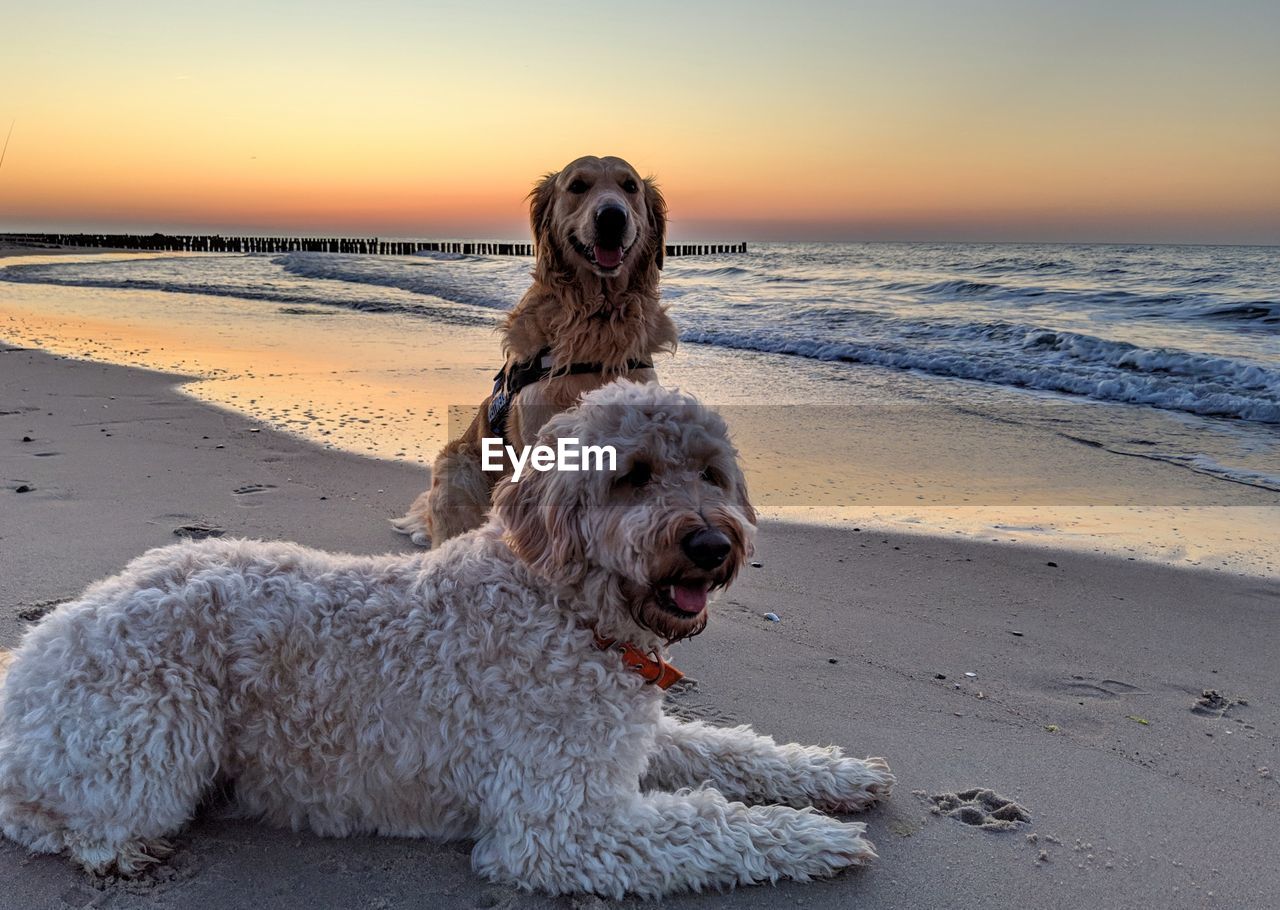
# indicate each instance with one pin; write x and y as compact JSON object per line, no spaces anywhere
{"x":366,"y":246}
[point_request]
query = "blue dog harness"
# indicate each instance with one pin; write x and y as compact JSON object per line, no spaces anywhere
{"x":516,"y":376}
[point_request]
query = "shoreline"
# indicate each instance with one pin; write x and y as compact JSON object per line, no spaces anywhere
{"x":395,"y":387}
{"x":9,"y":250}
{"x":121,"y":457}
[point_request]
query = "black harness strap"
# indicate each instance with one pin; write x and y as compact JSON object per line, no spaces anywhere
{"x":516,"y":376}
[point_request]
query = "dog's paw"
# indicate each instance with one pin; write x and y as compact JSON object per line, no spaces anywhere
{"x":819,"y":847}
{"x":414,"y":528}
{"x":127,"y":860}
{"x":856,"y":783}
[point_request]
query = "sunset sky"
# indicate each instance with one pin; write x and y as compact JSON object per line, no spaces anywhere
{"x":1147,"y":121}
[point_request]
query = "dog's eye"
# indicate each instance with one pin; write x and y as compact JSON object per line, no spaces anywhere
{"x":638,"y":476}
{"x":578,"y":187}
{"x":630,"y":185}
{"x":712,"y":476}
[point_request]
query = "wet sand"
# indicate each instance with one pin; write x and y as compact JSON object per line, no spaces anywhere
{"x":1087,"y":706}
{"x":852,"y":451}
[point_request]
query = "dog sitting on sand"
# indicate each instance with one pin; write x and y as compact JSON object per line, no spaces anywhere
{"x":592,"y":315}
{"x":505,"y":688}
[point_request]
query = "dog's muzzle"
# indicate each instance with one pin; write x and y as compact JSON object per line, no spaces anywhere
{"x":611,"y":227}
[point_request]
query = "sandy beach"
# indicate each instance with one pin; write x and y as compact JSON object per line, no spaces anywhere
{"x":1070,"y":683}
{"x":987,"y":297}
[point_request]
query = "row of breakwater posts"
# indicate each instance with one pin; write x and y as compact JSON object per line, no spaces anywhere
{"x":372,"y":246}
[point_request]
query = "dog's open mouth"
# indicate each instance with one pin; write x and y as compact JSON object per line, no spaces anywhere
{"x":687,"y":597}
{"x":605,"y":258}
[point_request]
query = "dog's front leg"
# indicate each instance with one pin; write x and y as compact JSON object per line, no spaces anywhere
{"x":658,"y":843}
{"x":745,"y":765}
{"x":458,"y":498}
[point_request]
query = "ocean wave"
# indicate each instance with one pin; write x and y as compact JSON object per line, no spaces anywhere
{"x":1057,"y":322}
{"x":1021,"y":264}
{"x":1207,"y":278}
{"x":1121,"y":355}
{"x":478,"y":281}
{"x":223,"y":285}
{"x":1061,"y":362}
{"x":703,"y":272}
{"x":948,"y":288}
{"x":1264,"y":311}
{"x":964,"y":288}
{"x":1113,"y":303}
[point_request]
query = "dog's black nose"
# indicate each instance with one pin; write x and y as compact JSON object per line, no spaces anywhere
{"x":611,"y":223}
{"x":706,"y":547}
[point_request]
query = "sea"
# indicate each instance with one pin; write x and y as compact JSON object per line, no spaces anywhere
{"x":1192,"y":331}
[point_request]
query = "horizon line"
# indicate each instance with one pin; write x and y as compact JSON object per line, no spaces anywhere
{"x":462,"y":238}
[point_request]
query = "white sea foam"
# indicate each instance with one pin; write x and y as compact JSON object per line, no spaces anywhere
{"x":1191,"y":331}
{"x":1068,"y":363}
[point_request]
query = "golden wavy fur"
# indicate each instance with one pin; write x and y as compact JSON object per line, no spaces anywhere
{"x":594,"y":299}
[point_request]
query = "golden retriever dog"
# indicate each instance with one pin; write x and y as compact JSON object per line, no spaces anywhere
{"x":592,"y":315}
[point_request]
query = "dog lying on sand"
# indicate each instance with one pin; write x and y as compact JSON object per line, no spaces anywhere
{"x":592,"y":315}
{"x":504,"y":688}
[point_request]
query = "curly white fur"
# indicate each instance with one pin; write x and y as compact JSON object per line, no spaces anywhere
{"x":451,"y":694}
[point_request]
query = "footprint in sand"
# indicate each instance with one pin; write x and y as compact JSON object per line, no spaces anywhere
{"x":253,"y":488}
{"x":1087,"y":687}
{"x":684,"y":701}
{"x":198,"y":532}
{"x":1213,"y":703}
{"x":493,"y":899}
{"x":981,"y":808}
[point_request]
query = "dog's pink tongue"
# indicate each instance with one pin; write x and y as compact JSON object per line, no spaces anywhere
{"x":689,"y":599}
{"x":608,"y":258}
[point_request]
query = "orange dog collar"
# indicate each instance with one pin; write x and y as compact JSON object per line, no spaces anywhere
{"x":651,"y":667}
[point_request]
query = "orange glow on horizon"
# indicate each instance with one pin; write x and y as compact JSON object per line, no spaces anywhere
{"x":863,"y":123}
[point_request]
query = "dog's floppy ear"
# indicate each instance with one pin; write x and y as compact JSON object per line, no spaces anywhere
{"x":657,"y":207}
{"x":744,"y":501}
{"x":539,"y":515}
{"x":540,"y":203}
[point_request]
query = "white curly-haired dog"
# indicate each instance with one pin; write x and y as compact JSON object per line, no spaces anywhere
{"x":498,"y":688}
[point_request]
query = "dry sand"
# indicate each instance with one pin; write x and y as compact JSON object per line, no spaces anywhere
{"x":1086,"y":707}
